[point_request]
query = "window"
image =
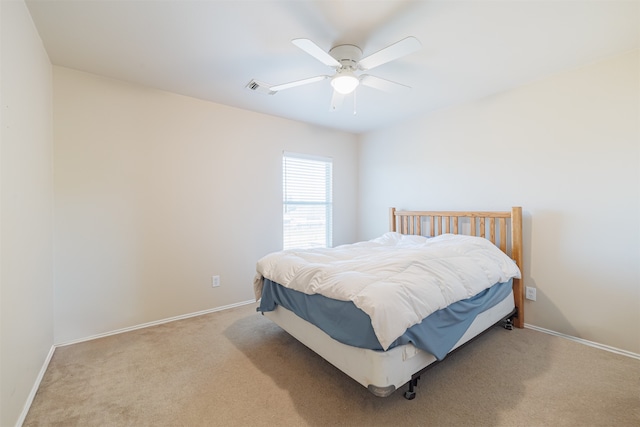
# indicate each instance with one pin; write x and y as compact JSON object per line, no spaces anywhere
{"x":307,"y":201}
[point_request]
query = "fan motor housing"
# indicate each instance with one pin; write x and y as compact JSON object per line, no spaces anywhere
{"x":347,"y":55}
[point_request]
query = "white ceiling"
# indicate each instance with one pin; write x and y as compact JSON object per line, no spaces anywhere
{"x":211,"y":49}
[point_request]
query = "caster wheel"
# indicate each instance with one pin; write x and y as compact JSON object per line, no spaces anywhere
{"x":409,"y":395}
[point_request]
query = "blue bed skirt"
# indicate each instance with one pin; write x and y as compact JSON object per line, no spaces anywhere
{"x":346,"y":323}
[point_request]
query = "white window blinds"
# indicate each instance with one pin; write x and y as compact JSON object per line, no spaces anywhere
{"x":307,"y":209}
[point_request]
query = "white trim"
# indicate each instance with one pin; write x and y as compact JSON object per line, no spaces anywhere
{"x":36,"y":386}
{"x":585,"y":342}
{"x":155,"y":323}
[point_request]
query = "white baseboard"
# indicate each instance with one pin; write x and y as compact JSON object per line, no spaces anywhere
{"x":36,"y":386}
{"x":585,"y":342}
{"x":156,"y":322}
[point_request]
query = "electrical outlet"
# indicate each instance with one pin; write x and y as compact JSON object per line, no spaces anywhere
{"x":530,"y":293}
{"x":215,"y":281}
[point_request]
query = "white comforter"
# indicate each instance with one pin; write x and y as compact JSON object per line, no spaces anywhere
{"x":397,"y":280}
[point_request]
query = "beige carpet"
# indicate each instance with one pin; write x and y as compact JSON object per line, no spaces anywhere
{"x":236,"y":368}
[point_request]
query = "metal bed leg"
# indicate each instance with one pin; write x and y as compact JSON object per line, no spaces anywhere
{"x":411,"y":394}
{"x":508,"y":322}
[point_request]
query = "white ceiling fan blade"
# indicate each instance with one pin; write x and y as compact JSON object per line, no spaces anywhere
{"x":336,"y":100}
{"x":382,"y":84}
{"x":314,"y":50}
{"x":397,"y":50}
{"x":298,"y":83}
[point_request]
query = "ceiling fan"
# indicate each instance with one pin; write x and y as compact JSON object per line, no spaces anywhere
{"x":347,"y":59}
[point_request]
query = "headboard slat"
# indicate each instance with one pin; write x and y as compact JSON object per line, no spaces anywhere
{"x":503,"y":235}
{"x":492,"y":230}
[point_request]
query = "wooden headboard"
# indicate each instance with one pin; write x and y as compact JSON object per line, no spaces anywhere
{"x":503,"y":229}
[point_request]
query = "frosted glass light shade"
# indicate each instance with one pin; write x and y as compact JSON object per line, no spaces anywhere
{"x":345,"y":82}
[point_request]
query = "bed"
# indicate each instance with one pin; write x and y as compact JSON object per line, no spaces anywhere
{"x":382,"y":316}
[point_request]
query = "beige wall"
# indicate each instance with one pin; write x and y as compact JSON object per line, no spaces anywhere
{"x":566,"y":148}
{"x":26,"y":194}
{"x":156,"y":192}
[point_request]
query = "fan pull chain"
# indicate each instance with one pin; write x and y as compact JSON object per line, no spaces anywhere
{"x":354,"y":102}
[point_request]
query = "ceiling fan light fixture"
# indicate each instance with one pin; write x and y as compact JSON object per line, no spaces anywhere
{"x":345,"y":82}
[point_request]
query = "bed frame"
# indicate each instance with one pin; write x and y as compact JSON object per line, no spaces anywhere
{"x":383,"y":372}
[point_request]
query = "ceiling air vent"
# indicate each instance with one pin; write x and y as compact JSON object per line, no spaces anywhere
{"x":257,"y":86}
